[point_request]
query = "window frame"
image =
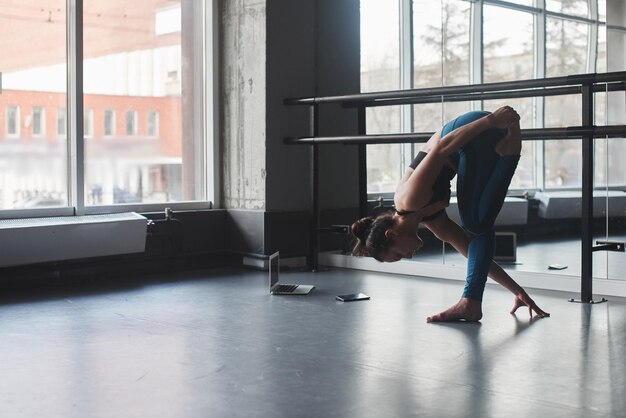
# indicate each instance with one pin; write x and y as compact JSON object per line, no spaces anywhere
{"x":15,"y":111}
{"x":154,"y":132}
{"x":42,"y":121}
{"x":111,"y":131}
{"x":130,"y":116}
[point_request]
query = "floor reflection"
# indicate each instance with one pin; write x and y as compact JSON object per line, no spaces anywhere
{"x":537,"y":256}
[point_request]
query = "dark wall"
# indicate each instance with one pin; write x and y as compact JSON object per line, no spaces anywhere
{"x":338,"y":57}
{"x":312,"y":50}
{"x":290,"y":72}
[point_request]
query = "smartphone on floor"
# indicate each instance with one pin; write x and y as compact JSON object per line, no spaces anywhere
{"x":352,"y":297}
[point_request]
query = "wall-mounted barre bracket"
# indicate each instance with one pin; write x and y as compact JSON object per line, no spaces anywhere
{"x":609,"y":246}
{"x":337,"y":229}
{"x":602,"y":246}
{"x":591,"y":301}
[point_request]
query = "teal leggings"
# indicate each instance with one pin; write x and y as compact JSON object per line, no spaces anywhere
{"x":483,"y":178}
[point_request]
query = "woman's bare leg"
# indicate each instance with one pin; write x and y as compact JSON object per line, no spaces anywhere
{"x":486,"y":167}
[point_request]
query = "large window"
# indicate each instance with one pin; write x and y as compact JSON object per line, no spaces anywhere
{"x":99,"y":105}
{"x":455,"y":42}
{"x":458,"y":42}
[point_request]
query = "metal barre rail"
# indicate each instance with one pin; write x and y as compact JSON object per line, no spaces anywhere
{"x":584,"y":84}
{"x":509,"y":94}
{"x":363,"y":98}
{"x":572,"y":132}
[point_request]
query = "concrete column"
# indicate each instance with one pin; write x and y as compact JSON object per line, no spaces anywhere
{"x":243,"y":90}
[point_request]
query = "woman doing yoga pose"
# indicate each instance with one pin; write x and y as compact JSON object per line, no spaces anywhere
{"x":483,"y":150}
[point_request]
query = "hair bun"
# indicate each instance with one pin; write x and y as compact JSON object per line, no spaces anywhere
{"x":361,"y":228}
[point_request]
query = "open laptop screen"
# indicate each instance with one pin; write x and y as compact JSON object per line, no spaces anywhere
{"x":273,"y":269}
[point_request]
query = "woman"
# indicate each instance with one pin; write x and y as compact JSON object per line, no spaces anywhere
{"x":483,"y":149}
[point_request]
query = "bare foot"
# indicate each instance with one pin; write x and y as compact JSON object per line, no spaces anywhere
{"x":464,"y":310}
{"x":511,"y":144}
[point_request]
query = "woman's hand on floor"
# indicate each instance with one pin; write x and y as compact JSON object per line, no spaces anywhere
{"x":523,"y":299}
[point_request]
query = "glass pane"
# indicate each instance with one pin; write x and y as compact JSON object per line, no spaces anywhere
{"x":610,"y":198}
{"x":33,"y":157}
{"x":566,"y":47}
{"x":563,"y":164}
{"x":510,"y":57}
{"x":441,"y":42}
{"x":616,"y":147}
{"x":563,"y":111}
{"x":616,"y":207}
{"x":562,"y":167}
{"x":602,"y":10}
{"x":88,"y":122}
{"x":38,"y":121}
{"x":138,"y":56}
{"x":441,"y":34}
{"x":153,"y":123}
{"x":524,"y":177}
{"x":61,"y":122}
{"x":383,"y":168}
{"x":601,"y":146}
{"x":616,"y":174}
{"x":601,"y":58}
{"x":610,"y":169}
{"x":507,"y":44}
{"x":384,"y":161}
{"x":380,"y":71}
{"x":13,"y":121}
{"x":570,"y":7}
{"x":429,"y":117}
{"x":616,"y":50}
{"x":380,"y":45}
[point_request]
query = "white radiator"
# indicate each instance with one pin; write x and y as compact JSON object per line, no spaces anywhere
{"x":37,"y":240}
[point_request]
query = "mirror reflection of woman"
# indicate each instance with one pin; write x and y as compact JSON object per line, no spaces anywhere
{"x":482,"y":149}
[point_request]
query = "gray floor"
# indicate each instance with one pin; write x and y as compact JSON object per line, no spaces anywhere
{"x":215,"y":344}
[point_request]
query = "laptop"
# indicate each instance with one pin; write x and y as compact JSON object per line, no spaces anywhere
{"x":277,"y":288}
{"x":506,"y":247}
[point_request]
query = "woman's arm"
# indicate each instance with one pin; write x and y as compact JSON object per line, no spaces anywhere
{"x":447,"y":230}
{"x":415,"y":189}
{"x":458,"y":138}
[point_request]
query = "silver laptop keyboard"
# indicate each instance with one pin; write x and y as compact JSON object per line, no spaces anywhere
{"x":286,"y":288}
